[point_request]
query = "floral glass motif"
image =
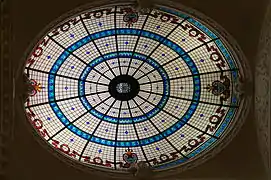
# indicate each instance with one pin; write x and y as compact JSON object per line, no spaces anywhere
{"x":36,"y":87}
{"x":112,"y":87}
{"x":219,"y":88}
{"x":129,"y":157}
{"x":130,"y":17}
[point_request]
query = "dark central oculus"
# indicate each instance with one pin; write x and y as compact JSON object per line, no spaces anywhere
{"x":123,"y":87}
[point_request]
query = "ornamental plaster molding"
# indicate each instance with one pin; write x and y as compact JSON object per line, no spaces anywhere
{"x":262,"y":89}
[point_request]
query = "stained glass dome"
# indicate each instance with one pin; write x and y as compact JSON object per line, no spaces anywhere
{"x":112,"y":86}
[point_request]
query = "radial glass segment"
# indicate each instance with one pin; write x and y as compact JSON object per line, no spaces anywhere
{"x":112,"y":87}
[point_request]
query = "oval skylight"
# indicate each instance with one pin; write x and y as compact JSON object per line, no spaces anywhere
{"x":112,"y":87}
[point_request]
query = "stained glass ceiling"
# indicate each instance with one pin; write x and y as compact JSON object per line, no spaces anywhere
{"x":112,"y":87}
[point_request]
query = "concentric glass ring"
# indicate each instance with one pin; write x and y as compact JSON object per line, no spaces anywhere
{"x":113,"y":86}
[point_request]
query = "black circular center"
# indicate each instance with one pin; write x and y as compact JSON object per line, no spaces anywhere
{"x":124,"y":87}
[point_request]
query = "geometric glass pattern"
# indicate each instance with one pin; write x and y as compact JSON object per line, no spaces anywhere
{"x":113,"y":86}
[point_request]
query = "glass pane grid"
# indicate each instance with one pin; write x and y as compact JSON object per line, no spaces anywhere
{"x":120,"y":87}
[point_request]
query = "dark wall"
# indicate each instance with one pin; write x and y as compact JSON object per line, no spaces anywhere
{"x":241,"y":159}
